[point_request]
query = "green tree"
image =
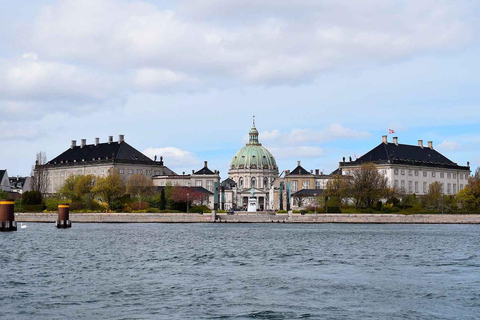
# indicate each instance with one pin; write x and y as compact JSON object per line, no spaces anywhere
{"x":67,"y":191}
{"x":466,"y":199}
{"x":368,"y":185}
{"x":434,"y":198}
{"x":336,"y":190}
{"x":83,"y":190}
{"x":110,"y":188}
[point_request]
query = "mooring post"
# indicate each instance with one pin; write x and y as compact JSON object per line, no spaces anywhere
{"x":63,"y":220}
{"x":7,"y":216}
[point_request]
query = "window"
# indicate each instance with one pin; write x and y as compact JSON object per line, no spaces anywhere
{"x":198,"y":183}
{"x":240,"y":182}
{"x":395,"y":184}
{"x":433,"y":174}
{"x":410,"y":186}
{"x":130,"y":171}
{"x":139,"y":171}
{"x":416,"y":186}
{"x":443,"y":188}
{"x":121,"y":171}
{"x":409,"y":172}
{"x":395,"y":171}
{"x":402,"y":172}
{"x":403,"y":186}
{"x":442,"y":175}
{"x":294,"y":185}
{"x":461,"y":187}
{"x":187,"y":183}
{"x":424,"y":187}
{"x":210,"y":185}
{"x":454,"y":188}
{"x":416,"y":173}
{"x":454,"y":176}
{"x":449,"y":175}
{"x":148,"y":172}
{"x":265,"y":182}
{"x":317,"y":184}
{"x":449,"y":188}
{"x":425,"y":173}
{"x":306,"y":185}
{"x":253,"y":182}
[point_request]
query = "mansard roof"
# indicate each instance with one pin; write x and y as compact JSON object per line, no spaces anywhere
{"x":299,"y":170}
{"x":228,"y":183}
{"x":2,"y":173}
{"x":204,"y":170}
{"x":405,"y":154}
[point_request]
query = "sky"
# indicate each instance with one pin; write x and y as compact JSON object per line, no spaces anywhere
{"x":183,"y":79}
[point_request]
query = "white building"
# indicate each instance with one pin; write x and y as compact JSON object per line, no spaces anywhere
{"x":411,"y":169}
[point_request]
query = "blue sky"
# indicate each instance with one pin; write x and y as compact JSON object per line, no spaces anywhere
{"x":182,"y":79}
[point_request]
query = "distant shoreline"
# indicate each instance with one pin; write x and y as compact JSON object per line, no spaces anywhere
{"x":372,"y":218}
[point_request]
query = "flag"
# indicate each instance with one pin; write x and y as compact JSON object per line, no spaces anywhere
{"x":355,"y":156}
{"x":390,"y":131}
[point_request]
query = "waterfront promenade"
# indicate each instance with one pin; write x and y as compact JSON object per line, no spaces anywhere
{"x":102,"y":217}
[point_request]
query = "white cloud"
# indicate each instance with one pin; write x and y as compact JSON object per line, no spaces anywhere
{"x":449,"y":145}
{"x":149,"y":79}
{"x":174,"y":158}
{"x":300,"y":136}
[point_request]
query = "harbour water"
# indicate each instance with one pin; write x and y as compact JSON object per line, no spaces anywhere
{"x":240,"y":271}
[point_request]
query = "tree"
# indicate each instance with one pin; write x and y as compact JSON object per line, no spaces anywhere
{"x":368,"y":185}
{"x":162,"y":200}
{"x":83,"y":190}
{"x":67,"y":191}
{"x":466,"y":199}
{"x":109,"y":188}
{"x":433,"y":199}
{"x":40,"y":181}
{"x":185,"y":196}
{"x":139,"y":186}
{"x":336,"y":191}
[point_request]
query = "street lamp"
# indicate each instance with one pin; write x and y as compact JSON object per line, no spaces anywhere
{"x":188,"y":200}
{"x":315,"y":201}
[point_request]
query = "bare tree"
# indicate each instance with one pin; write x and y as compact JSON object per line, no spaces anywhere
{"x":40,"y":181}
{"x":368,"y":185}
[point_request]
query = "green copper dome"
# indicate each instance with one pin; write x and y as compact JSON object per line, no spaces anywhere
{"x":253,"y":155}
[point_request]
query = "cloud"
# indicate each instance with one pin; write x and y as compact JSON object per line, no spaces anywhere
{"x":449,"y":145}
{"x":300,"y":136}
{"x":271,"y":42}
{"x":296,"y":153}
{"x":174,"y":158}
{"x":149,"y":79}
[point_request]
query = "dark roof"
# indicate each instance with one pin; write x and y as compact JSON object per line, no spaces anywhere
{"x":2,"y":173}
{"x":204,"y":170}
{"x":405,"y":154}
{"x":308,"y":193}
{"x":298,"y":170}
{"x":101,"y":151}
{"x":17,"y":182}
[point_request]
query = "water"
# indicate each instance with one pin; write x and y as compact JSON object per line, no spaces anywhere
{"x":240,"y":271}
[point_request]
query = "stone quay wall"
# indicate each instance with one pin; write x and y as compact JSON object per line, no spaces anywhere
{"x":101,"y":217}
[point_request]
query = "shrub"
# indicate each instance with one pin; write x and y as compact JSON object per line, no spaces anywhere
{"x":75,"y":206}
{"x":34,"y":207}
{"x":199,"y":209}
{"x":221,"y":211}
{"x":296,"y":211}
{"x":138,"y":205}
{"x":32,"y":197}
{"x":333,"y":210}
{"x":153,"y":210}
{"x":281,"y":211}
{"x":51,"y":203}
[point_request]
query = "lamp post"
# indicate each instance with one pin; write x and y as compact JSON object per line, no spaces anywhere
{"x":315,"y":201}
{"x":188,"y":200}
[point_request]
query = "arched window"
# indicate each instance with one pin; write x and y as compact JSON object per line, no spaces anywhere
{"x":254,"y":181}
{"x":240,"y":182}
{"x":265,"y":182}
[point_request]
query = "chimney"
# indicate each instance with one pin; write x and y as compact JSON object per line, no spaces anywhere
{"x":311,"y":171}
{"x":420,"y":143}
{"x":193,"y":171}
{"x":74,"y":144}
{"x":97,"y":141}
{"x":121,"y":138}
{"x":84,"y":142}
{"x":395,"y":140}
{"x":317,"y":172}
{"x":384,"y":139}
{"x":298,"y":163}
{"x":430,"y":144}
{"x":205,"y":164}
{"x":110,"y":139}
